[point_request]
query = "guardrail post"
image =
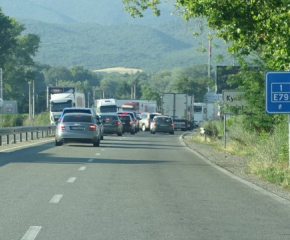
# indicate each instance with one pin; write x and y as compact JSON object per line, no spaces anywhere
{"x":14,"y":138}
{"x":26,"y":136}
{"x":8,"y":138}
{"x":0,"y":140}
{"x":20,"y":137}
{"x":31,"y":135}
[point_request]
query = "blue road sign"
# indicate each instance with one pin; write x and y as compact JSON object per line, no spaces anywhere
{"x":278,"y":92}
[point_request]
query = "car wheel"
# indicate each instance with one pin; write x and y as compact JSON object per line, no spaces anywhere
{"x":119,"y":133}
{"x":102,"y":137}
{"x":153,"y":132}
{"x":172,"y":132}
{"x":96,"y":143}
{"x":57,"y":143}
{"x":132,"y":132}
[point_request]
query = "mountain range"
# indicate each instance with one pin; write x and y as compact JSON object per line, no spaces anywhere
{"x":99,"y":34}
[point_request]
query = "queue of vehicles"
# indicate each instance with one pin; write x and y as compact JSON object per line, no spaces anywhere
{"x":106,"y":117}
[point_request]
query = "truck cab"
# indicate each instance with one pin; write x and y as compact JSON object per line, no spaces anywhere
{"x":105,"y":106}
{"x":57,"y":103}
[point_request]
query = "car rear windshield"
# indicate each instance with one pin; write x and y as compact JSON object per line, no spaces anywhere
{"x":77,"y":111}
{"x":78,"y":118}
{"x":162,"y":119}
{"x":128,"y":113}
{"x":153,"y":115}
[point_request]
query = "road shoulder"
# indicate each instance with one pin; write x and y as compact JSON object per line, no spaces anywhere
{"x":235,"y":164}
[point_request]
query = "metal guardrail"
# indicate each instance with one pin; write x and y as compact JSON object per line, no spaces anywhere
{"x":25,"y":133}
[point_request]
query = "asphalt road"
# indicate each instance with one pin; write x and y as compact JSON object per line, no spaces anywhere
{"x":132,"y":187}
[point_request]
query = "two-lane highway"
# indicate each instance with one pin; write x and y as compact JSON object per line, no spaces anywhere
{"x":132,"y":187}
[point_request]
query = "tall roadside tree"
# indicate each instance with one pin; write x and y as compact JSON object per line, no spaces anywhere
{"x":16,"y":59}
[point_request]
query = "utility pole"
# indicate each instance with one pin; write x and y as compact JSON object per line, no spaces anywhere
{"x":88,"y":99}
{"x":33,"y":100}
{"x":209,"y":36}
{"x":29,"y":99}
{"x":1,"y":96}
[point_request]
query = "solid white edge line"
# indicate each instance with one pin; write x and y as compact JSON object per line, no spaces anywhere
{"x":249,"y":184}
{"x":98,"y":154}
{"x":82,"y":168}
{"x":71,"y":179}
{"x":28,"y":145}
{"x":31,"y":233}
{"x":56,"y":198}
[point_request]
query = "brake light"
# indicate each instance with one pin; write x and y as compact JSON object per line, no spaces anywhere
{"x":172,"y":124}
{"x":131,"y":123}
{"x":92,"y":128}
{"x":61,"y":127}
{"x":154,"y":123}
{"x":118,"y":123}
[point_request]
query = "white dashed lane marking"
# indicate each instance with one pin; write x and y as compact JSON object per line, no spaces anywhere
{"x":71,"y":179}
{"x":82,"y":168}
{"x":56,"y":198}
{"x":31,"y":233}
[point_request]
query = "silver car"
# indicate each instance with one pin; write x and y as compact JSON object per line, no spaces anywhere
{"x":77,"y":127}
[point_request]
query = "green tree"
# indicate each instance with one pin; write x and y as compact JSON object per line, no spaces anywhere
{"x":149,"y":94}
{"x":16,"y":59}
{"x":123,"y":90}
{"x":54,"y":75}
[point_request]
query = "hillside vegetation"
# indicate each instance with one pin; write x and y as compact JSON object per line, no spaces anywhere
{"x":95,"y":46}
{"x":99,"y":34}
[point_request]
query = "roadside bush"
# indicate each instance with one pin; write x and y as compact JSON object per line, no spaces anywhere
{"x":211,"y":129}
{"x":271,"y":158}
{"x":39,"y":120}
{"x":12,"y":120}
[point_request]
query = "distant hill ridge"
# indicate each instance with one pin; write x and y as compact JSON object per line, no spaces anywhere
{"x":105,"y":12}
{"x":97,"y":34}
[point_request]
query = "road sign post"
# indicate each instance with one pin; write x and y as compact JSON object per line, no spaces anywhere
{"x":278,"y":96}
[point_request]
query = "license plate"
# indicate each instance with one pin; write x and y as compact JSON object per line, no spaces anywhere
{"x":79,"y":128}
{"x":163,"y":125}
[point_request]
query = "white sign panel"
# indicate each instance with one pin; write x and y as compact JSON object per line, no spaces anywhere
{"x":234,"y":98}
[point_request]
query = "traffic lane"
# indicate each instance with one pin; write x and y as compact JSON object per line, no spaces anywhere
{"x":28,"y":179}
{"x":177,"y":196}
